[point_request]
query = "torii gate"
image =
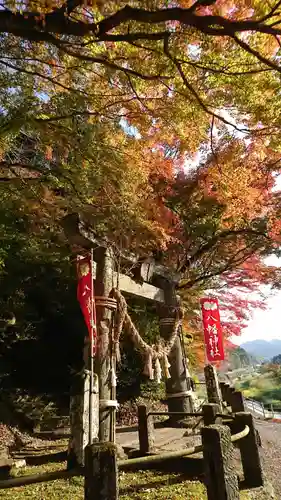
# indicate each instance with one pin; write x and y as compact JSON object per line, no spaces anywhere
{"x":152,"y":282}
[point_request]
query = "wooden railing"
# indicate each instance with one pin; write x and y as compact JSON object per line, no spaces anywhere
{"x":219,"y":429}
{"x":218,"y":433}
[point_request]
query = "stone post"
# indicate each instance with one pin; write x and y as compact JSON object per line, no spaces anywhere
{"x":220,"y":476}
{"x":210,"y":412}
{"x":101,"y":474}
{"x":146,"y":430}
{"x":249,"y":451}
{"x":79,"y":418}
{"x":212,"y":386}
{"x":227,"y":394}
{"x":237,"y":403}
{"x":222,"y":388}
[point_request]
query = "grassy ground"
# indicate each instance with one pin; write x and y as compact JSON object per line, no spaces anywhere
{"x":143,"y":485}
{"x":146,"y":485}
{"x":264,"y":388}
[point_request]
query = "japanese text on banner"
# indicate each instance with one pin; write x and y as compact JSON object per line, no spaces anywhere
{"x":85,"y":294}
{"x":212,"y":329}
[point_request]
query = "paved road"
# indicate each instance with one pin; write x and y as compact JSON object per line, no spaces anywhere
{"x":270,"y":452}
{"x":166,"y":439}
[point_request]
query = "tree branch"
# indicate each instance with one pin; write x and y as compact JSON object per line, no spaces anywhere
{"x":44,"y":77}
{"x":255,"y":53}
{"x":231,"y":263}
{"x":216,"y":25}
{"x":193,"y":91}
{"x":112,"y":65}
{"x":214,"y":240}
{"x":35,"y":26}
{"x":67,"y":8}
{"x":271,"y":13}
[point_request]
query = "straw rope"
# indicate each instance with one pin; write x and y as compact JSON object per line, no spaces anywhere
{"x":156,"y":354}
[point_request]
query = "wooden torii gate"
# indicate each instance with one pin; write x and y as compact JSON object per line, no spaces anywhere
{"x":150,"y":281}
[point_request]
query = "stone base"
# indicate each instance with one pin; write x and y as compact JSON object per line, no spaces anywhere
{"x":265,"y":492}
{"x":120,"y":452}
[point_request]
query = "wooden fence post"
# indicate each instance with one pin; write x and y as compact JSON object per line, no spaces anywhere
{"x":212,"y":385}
{"x":210,"y":414}
{"x":249,"y":451}
{"x":101,"y":474}
{"x":146,"y":430}
{"x":220,"y":476}
{"x":237,"y":403}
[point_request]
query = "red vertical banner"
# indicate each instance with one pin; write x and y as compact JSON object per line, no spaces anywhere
{"x":85,"y":294}
{"x":212,"y":329}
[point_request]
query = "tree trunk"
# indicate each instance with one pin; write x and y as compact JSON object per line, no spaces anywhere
{"x":103,"y":286}
{"x":178,"y":386}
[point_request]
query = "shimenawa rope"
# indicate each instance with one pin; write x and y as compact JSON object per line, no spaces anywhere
{"x":157,"y":354}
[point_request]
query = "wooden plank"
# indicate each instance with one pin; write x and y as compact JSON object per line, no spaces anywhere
{"x":128,"y":285}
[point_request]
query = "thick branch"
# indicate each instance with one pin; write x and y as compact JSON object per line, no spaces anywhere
{"x":33,"y":26}
{"x":216,"y":25}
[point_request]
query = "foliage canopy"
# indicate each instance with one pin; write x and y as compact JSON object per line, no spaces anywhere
{"x":157,"y":121}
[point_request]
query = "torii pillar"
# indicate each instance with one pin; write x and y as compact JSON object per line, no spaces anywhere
{"x":178,"y":388}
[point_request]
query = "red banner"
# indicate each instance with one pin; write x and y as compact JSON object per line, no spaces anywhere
{"x":212,"y":329}
{"x":85,"y":294}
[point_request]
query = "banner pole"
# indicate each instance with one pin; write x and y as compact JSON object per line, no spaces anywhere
{"x":91,"y":394}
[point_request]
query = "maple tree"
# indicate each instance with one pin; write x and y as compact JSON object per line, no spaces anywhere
{"x":104,"y":105}
{"x":170,"y":70}
{"x":71,"y":71}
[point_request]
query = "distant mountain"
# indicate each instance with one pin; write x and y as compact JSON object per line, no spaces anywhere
{"x":239,"y":358}
{"x":262,"y":348}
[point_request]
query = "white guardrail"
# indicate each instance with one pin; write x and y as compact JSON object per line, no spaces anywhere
{"x":258,"y":409}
